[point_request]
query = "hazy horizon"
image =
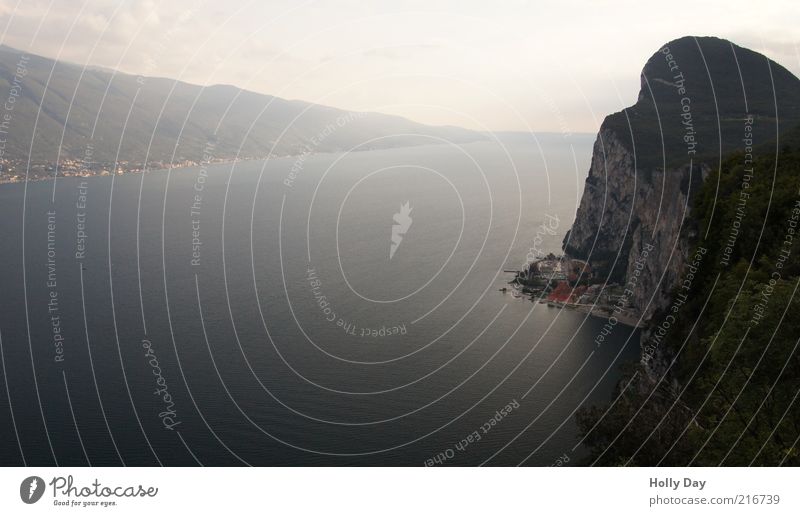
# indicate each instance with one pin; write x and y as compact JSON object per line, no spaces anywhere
{"x":460,"y":64}
{"x":116,"y":71}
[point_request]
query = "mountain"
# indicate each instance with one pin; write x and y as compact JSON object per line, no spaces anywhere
{"x":701,"y":98}
{"x":705,"y":244}
{"x":719,"y":369}
{"x":158,"y":116}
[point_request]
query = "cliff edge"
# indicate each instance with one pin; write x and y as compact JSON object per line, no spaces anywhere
{"x":700,"y":99}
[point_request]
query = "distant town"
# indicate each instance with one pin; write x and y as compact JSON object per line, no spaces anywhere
{"x":16,"y":170}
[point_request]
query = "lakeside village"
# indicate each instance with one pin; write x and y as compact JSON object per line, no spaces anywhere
{"x":565,"y":282}
{"x":13,"y":170}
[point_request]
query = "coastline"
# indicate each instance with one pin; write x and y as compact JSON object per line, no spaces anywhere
{"x":564,"y":282}
{"x":106,"y":172}
{"x":603,"y":312}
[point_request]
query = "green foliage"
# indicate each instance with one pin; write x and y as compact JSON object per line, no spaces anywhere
{"x":731,"y":396}
{"x":705,"y":89}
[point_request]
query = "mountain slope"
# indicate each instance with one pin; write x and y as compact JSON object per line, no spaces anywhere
{"x":719,"y":386}
{"x":167,"y":115}
{"x":700,"y":99}
{"x":717,"y":379}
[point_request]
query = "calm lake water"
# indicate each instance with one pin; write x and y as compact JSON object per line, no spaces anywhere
{"x":251,"y":314}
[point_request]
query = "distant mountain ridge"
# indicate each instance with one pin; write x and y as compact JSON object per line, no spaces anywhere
{"x":126,"y":108}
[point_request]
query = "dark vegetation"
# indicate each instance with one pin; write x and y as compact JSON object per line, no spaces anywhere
{"x":725,"y":388}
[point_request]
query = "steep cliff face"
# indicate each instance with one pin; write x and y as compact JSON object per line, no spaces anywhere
{"x":700,"y":98}
{"x":606,"y":208}
{"x":660,"y":243}
{"x":631,"y":226}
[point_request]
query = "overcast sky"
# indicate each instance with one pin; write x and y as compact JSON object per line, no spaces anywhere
{"x":497,"y":65}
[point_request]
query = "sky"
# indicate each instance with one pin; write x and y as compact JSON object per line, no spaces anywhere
{"x":516,"y":65}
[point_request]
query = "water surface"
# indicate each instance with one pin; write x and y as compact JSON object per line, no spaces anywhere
{"x":251,"y":314}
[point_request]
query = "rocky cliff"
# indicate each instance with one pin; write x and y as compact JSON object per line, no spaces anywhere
{"x":700,"y":99}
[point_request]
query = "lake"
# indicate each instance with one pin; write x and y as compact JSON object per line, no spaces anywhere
{"x":325,"y":309}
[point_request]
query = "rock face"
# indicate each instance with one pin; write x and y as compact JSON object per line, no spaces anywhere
{"x":700,"y":99}
{"x":629,"y":222}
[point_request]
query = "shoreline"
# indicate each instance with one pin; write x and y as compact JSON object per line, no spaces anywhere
{"x":599,"y":311}
{"x":554,"y":281}
{"x":121,"y":172}
{"x":603,"y":312}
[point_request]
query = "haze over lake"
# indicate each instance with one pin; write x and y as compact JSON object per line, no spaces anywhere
{"x":254,"y":312}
